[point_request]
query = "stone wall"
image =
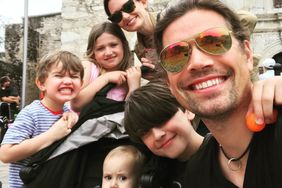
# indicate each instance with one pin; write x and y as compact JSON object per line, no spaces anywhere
{"x":80,"y":15}
{"x":69,"y":30}
{"x":44,"y":35}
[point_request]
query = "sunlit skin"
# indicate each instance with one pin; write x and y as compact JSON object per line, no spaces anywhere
{"x":108,"y":51}
{"x":59,"y":87}
{"x":134,"y":21}
{"x":212,"y":101}
{"x":119,"y":172}
{"x":174,"y":139}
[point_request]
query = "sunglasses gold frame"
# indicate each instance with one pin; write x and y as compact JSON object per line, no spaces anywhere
{"x":178,"y":66}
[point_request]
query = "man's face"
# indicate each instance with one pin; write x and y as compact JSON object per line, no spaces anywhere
{"x":209,"y":85}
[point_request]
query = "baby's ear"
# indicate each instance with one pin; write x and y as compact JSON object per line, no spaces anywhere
{"x":190,"y":115}
{"x":40,"y":85}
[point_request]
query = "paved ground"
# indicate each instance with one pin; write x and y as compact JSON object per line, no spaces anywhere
{"x":4,"y":175}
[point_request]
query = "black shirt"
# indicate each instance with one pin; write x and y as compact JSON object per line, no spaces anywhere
{"x":264,"y":166}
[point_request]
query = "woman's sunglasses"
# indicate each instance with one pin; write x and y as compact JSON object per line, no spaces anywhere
{"x":127,"y":7}
{"x":214,"y":41}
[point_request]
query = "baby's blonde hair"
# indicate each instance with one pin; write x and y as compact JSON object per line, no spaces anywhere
{"x":131,"y":150}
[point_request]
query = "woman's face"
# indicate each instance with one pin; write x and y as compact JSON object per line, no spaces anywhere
{"x":171,"y":139}
{"x":134,"y":20}
{"x":108,"y":51}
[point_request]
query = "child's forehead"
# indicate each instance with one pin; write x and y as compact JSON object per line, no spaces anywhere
{"x":57,"y":66}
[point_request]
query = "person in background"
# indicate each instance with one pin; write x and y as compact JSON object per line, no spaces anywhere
{"x":108,"y":62}
{"x":38,"y":125}
{"x":277,"y":69}
{"x":267,"y":66}
{"x":214,"y":82}
{"x":9,"y":96}
{"x":122,"y":167}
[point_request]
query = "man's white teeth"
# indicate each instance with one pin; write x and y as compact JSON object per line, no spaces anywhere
{"x":208,"y":83}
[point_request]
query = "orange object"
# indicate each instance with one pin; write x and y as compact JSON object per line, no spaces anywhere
{"x":253,"y":126}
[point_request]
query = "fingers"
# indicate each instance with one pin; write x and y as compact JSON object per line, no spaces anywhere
{"x":147,"y":63}
{"x":71,"y":118}
{"x":266,"y":93}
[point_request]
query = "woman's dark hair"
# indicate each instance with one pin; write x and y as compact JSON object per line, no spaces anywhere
{"x":106,"y":7}
{"x":113,"y":29}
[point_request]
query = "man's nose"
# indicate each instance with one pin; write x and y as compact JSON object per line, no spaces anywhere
{"x":198,"y":59}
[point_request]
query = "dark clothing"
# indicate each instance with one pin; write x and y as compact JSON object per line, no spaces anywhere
{"x":80,"y":167}
{"x":8,"y":111}
{"x":11,"y":91}
{"x":163,"y":172}
{"x":263,"y":169}
{"x":202,"y":129}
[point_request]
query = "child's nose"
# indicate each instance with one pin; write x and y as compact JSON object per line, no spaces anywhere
{"x":67,"y":80}
{"x":109,"y":51}
{"x":158,"y":133}
{"x":114,"y":184}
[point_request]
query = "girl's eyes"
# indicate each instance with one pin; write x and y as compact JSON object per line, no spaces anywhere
{"x":112,"y":45}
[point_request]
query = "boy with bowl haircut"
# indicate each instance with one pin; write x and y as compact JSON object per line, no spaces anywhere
{"x":38,"y":125}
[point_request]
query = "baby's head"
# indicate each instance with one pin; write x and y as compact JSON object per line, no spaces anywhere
{"x":122,"y":167}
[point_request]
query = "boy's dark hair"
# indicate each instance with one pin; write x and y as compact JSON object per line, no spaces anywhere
{"x":170,"y":14}
{"x":149,"y":106}
{"x":70,"y":63}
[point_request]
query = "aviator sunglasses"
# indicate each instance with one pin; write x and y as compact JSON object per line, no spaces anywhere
{"x":214,"y":41}
{"x":127,"y":7}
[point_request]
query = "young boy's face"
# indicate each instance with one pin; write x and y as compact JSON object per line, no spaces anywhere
{"x":118,"y":172}
{"x":61,"y":86}
{"x":172,"y":138}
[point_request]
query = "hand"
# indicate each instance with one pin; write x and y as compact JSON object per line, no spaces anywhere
{"x":117,"y":77}
{"x":133,"y":75}
{"x":266,"y":94}
{"x":63,"y":126}
{"x":71,"y":118}
{"x":148,"y":63}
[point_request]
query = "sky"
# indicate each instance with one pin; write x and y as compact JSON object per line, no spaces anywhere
{"x":12,"y":11}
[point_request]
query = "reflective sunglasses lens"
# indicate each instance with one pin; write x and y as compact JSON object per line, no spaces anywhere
{"x":214,"y":41}
{"x":174,"y":57}
{"x":116,"y":17}
{"x":128,"y":7}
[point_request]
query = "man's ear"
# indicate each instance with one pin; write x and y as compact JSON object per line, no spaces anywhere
{"x":40,"y":85}
{"x":249,"y":54}
{"x":190,"y":115}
